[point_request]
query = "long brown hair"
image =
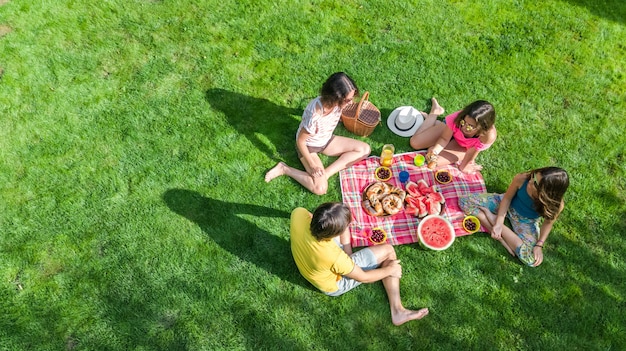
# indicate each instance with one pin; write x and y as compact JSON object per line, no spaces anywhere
{"x":550,"y":190}
{"x":482,"y":111}
{"x":336,"y":88}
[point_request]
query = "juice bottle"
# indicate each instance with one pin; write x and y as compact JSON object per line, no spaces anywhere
{"x":386,"y":157}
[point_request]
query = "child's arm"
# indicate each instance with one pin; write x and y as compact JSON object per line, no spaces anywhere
{"x":387,"y":269}
{"x":345,"y":240}
{"x":518,"y":180}
{"x":467,"y":164}
{"x":317,"y":168}
{"x":544,"y":232}
{"x":433,"y":151}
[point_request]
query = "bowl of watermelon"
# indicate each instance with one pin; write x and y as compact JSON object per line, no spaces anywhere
{"x":422,"y":199}
{"x":435,"y":233}
{"x":471,"y":224}
{"x":378,"y":236}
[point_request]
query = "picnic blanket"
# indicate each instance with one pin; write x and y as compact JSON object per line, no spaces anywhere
{"x":402,"y":228}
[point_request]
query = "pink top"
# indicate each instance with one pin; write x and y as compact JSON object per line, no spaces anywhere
{"x":460,"y":138}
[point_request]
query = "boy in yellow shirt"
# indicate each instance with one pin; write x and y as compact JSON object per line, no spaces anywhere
{"x":320,"y":244}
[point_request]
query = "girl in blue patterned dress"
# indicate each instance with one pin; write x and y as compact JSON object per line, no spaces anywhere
{"x":531,"y":197}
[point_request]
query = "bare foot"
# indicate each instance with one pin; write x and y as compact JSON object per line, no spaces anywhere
{"x":436,"y":109}
{"x":277,"y":171}
{"x":404,"y":315}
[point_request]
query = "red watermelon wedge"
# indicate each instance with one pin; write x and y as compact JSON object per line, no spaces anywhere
{"x":436,"y":196}
{"x":432,"y":207}
{"x":423,"y":187}
{"x":412,"y":189}
{"x":435,"y":232}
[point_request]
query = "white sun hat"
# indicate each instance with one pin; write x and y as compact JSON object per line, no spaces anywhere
{"x":405,"y":120}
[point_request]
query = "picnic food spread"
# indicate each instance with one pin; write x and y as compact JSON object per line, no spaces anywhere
{"x":401,"y":227}
{"x":422,"y":200}
{"x":383,"y":199}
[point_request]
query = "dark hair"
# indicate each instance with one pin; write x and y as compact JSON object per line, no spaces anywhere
{"x":329,"y":220}
{"x":336,"y":88}
{"x":550,"y":190}
{"x":482,"y":111}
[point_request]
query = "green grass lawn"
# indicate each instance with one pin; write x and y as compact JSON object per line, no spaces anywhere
{"x":134,"y":136}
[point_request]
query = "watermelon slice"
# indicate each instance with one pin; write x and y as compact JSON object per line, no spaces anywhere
{"x":422,"y":210}
{"x":423,"y":198}
{"x":436,"y":196}
{"x":412,"y":189}
{"x":435,"y":232}
{"x":423,"y":186}
{"x":412,"y":201}
{"x":433,"y":207}
{"x":411,"y":211}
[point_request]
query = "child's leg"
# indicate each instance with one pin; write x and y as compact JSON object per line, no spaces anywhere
{"x":317,"y":186}
{"x":349,"y":152}
{"x":435,"y":108}
{"x":385,"y":254}
{"x":452,"y":153}
{"x":526,"y":232}
{"x":490,"y":219}
{"x":470,"y":204}
{"x":428,"y":133}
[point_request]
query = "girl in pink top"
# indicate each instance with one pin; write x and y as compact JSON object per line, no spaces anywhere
{"x":315,"y":135}
{"x":464,"y":134}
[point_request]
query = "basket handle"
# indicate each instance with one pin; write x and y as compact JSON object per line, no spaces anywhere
{"x":364,"y":98}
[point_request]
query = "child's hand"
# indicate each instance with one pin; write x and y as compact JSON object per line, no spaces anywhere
{"x":538,"y":252}
{"x":394,"y":268}
{"x":471,"y":168}
{"x":496,"y":231}
{"x":317,"y":172}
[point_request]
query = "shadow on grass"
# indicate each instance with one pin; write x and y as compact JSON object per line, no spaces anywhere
{"x":255,"y":117}
{"x":222,"y":222}
{"x":612,"y":10}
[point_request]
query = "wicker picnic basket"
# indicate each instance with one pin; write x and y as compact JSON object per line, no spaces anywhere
{"x":361,"y":118}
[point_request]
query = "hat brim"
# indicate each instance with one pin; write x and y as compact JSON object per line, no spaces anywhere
{"x":391,"y":121}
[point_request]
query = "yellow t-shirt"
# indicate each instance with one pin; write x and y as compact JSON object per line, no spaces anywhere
{"x":321,"y":262}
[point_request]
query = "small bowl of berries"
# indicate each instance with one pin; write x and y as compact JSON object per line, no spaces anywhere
{"x":443,"y":176}
{"x":378,"y":236}
{"x":471,"y":224}
{"x":383,"y":173}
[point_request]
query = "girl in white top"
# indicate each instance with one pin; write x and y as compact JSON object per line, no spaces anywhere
{"x":315,"y":135}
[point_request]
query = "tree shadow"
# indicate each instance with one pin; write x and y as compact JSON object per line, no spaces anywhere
{"x":612,"y":10}
{"x":223,"y":223}
{"x":250,"y":117}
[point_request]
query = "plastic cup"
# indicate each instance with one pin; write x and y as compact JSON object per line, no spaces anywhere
{"x":419,"y":160}
{"x":404,"y":176}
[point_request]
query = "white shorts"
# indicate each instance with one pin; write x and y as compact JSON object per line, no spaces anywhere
{"x":363,"y":258}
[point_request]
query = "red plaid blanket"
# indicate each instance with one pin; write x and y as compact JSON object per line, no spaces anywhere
{"x":402,"y":228}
